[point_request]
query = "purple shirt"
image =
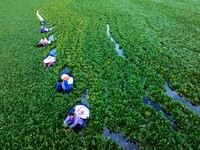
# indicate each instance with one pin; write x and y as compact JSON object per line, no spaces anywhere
{"x":43,"y":30}
{"x":76,"y":120}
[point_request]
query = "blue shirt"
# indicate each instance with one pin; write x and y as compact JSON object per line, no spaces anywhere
{"x":67,"y":87}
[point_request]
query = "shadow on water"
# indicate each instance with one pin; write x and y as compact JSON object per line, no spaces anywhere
{"x":175,"y":96}
{"x":118,"y":138}
{"x":117,"y":48}
{"x":157,"y":107}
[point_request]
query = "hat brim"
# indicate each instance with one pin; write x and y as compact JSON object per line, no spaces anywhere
{"x":46,"y":61}
{"x":49,"y":59}
{"x":65,"y":77}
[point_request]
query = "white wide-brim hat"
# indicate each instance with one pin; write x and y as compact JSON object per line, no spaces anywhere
{"x":49,"y":59}
{"x":82,"y":111}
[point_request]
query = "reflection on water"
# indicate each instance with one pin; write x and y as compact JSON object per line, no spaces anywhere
{"x":118,"y":138}
{"x":117,"y":48}
{"x":175,"y":96}
{"x":157,"y":107}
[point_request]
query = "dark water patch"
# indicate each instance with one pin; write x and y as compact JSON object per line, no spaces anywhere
{"x":175,"y":96}
{"x":84,"y":98}
{"x":162,"y":43}
{"x":143,"y":80}
{"x":144,"y":48}
{"x":118,"y":48}
{"x":64,"y":71}
{"x":157,"y":107}
{"x":116,"y":137}
{"x":119,"y":139}
{"x":125,"y":86}
{"x":143,"y":84}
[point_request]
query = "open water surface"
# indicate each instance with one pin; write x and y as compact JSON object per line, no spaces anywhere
{"x":119,"y":139}
{"x":39,"y":16}
{"x":175,"y":96}
{"x":117,"y":47}
{"x":157,"y":107}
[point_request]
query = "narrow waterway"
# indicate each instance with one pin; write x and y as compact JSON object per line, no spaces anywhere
{"x":157,"y":107}
{"x":117,"y":47}
{"x":119,"y":139}
{"x":175,"y":96}
{"x":84,"y":98}
{"x":39,"y":16}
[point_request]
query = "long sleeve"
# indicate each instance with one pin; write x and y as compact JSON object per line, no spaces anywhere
{"x":58,"y":86}
{"x":77,"y":121}
{"x":67,"y":120}
{"x":67,"y":87}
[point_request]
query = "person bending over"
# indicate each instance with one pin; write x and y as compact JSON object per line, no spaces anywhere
{"x":49,"y":61}
{"x":43,"y":42}
{"x":74,"y":121}
{"x":43,"y":29}
{"x":65,"y":84}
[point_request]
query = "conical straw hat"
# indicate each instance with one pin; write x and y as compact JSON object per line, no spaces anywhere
{"x":65,"y":77}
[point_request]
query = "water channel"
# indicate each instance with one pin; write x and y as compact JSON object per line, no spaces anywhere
{"x":117,"y":47}
{"x":119,"y":139}
{"x":39,"y":16}
{"x":157,"y":107}
{"x":175,"y":96}
{"x":84,"y":98}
